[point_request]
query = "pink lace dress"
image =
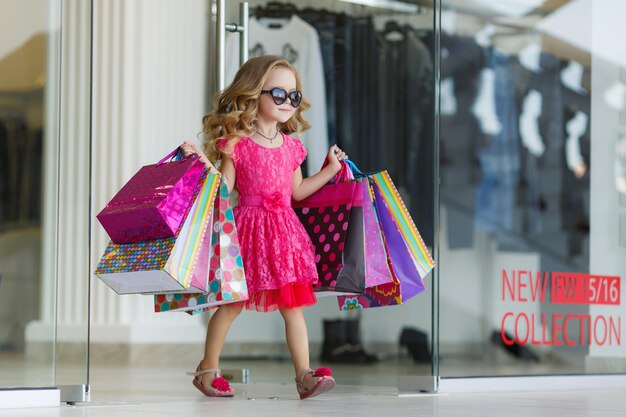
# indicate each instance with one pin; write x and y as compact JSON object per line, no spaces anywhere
{"x":278,"y":255}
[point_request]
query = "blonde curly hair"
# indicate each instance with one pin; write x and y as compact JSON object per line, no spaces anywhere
{"x":235,"y":108}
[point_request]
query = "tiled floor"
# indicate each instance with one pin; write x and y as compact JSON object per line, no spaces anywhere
{"x":138,"y":392}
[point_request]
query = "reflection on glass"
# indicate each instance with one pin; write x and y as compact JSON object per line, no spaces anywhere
{"x":622,"y":230}
{"x":620,"y":166}
{"x":516,"y":193}
{"x":26,"y":359}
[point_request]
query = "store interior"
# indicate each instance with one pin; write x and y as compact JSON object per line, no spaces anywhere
{"x":482,"y":116}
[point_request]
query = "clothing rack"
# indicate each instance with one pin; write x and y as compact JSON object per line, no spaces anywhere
{"x":392,"y":5}
{"x":540,"y":11}
{"x":277,"y":9}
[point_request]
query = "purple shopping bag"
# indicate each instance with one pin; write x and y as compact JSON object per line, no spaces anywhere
{"x":403,"y":267}
{"x":153,"y":202}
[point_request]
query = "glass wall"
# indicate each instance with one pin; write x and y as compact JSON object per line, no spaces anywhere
{"x":72,"y":350}
{"x":531,"y":188}
{"x":29,"y":84}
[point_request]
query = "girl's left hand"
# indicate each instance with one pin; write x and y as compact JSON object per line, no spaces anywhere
{"x":335,"y":156}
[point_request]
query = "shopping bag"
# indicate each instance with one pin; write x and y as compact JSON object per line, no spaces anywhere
{"x":377,"y":270}
{"x":397,"y":211}
{"x":166,"y":264}
{"x":333,"y":218}
{"x":407,"y":256}
{"x":153,"y":202}
{"x":227,"y":281}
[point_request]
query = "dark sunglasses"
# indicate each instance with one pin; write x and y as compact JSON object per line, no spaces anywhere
{"x":280,"y":96}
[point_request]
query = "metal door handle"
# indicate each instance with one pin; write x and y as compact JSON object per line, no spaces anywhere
{"x":222,"y":27}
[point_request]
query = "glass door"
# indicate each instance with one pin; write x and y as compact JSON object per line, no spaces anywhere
{"x":44,"y":195}
{"x":368,"y":68}
{"x":74,"y":240}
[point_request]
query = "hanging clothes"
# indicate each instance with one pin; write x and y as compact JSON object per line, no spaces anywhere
{"x":462,"y":61}
{"x":540,"y":180}
{"x":577,"y":147}
{"x":325,"y":23}
{"x":344,"y":76}
{"x":499,"y":156}
{"x":405,"y":88}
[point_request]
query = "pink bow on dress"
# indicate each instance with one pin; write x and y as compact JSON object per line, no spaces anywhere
{"x":274,"y":202}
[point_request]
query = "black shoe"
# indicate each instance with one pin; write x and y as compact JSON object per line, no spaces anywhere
{"x":416,"y":342}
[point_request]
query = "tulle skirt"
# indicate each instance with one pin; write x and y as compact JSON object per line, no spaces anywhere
{"x":288,"y":296}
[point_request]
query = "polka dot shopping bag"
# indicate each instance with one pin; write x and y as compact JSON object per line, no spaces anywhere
{"x":333,"y":218}
{"x":227,"y":281}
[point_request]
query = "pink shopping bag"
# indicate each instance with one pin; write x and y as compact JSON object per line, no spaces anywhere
{"x":153,"y":202}
{"x":166,"y":264}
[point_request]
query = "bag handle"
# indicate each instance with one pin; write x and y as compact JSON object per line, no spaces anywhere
{"x":344,"y":174}
{"x":341,"y":176}
{"x":356,"y":171}
{"x":176,"y":154}
{"x":353,"y":167}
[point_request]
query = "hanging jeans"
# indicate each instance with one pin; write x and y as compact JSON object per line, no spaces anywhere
{"x":499,"y":159}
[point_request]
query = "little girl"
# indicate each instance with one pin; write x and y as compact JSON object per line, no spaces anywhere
{"x":248,"y":134}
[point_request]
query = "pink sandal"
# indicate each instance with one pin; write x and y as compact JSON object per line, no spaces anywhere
{"x":323,"y":382}
{"x":219,"y":386}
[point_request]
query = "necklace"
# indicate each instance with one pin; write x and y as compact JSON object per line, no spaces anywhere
{"x":270,"y":139}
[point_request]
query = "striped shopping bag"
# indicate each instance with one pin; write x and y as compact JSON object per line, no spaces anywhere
{"x":420,"y":255}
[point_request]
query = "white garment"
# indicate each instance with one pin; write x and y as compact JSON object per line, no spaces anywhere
{"x":530,"y":57}
{"x":484,"y":107}
{"x":483,"y":37}
{"x":575,"y":128}
{"x":449,"y":19}
{"x":447,"y":102}
{"x":529,"y":123}
{"x":572,"y":76}
{"x":298,"y":42}
{"x":619,"y":165}
{"x":615,"y":96}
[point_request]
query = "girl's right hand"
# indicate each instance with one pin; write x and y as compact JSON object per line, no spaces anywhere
{"x":334,"y":158}
{"x":189,"y":148}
